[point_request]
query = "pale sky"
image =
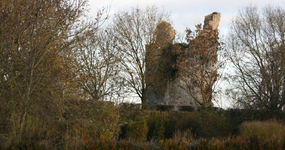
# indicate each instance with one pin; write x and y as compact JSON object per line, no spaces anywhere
{"x":187,"y":13}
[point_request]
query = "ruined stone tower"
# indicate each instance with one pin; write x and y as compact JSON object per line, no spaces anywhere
{"x":165,"y":87}
{"x":164,"y":33}
{"x":212,"y":21}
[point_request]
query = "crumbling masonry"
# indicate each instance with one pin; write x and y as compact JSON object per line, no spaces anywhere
{"x":165,"y":87}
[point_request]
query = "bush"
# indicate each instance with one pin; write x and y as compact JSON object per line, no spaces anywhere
{"x":133,"y":123}
{"x":185,"y":136}
{"x":205,"y":123}
{"x":213,"y":123}
{"x":238,"y":143}
{"x":168,"y":144}
{"x":269,"y":130}
{"x":170,"y":120}
{"x":137,"y":129}
{"x":85,"y":120}
{"x":74,"y":124}
{"x":156,"y":125}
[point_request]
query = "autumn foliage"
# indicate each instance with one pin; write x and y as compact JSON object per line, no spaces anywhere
{"x":197,"y":64}
{"x":62,"y":80}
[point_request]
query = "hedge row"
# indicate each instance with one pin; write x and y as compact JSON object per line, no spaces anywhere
{"x":84,"y":124}
{"x":230,"y":143}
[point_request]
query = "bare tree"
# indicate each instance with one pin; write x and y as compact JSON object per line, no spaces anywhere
{"x":256,"y":48}
{"x":133,"y":30}
{"x":98,"y":65}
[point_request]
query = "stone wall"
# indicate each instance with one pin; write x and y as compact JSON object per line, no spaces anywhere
{"x":167,"y":91}
{"x":212,"y":21}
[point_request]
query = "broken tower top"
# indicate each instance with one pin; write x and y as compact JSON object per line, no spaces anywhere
{"x":212,"y":21}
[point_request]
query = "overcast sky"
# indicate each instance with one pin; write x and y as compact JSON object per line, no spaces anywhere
{"x":187,"y":13}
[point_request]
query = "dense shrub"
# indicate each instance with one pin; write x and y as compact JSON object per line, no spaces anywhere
{"x":230,"y":143}
{"x":171,"y":119}
{"x":213,"y":123}
{"x":238,"y":116}
{"x":137,"y":129}
{"x":86,"y":120}
{"x":156,"y":125}
{"x":238,"y":143}
{"x":75,"y":123}
{"x":205,"y":123}
{"x":184,"y":136}
{"x":95,"y":125}
{"x":133,"y":123}
{"x":269,"y":130}
{"x":169,"y":144}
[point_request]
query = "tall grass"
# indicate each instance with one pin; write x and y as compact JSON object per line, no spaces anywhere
{"x":269,"y":130}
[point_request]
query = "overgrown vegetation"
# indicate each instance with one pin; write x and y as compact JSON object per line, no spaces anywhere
{"x":136,"y":129}
{"x":56,"y":73}
{"x":269,"y":130}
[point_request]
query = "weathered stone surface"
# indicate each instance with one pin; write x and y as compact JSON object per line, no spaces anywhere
{"x":212,"y":21}
{"x":164,"y":32}
{"x":173,"y":95}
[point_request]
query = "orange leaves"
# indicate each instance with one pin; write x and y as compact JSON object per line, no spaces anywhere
{"x":196,"y":63}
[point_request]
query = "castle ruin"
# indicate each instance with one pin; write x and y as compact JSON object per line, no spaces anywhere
{"x":167,"y":86}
